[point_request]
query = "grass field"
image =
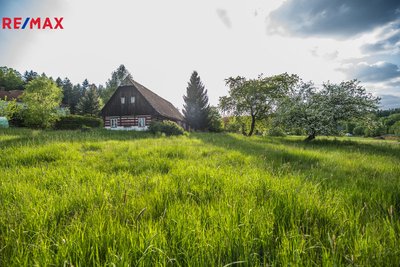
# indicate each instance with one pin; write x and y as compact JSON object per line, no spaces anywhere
{"x":131,"y":199}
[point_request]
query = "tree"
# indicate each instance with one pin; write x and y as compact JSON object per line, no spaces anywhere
{"x":90,"y":103}
{"x":112,"y":84}
{"x":42,"y":97}
{"x":196,"y":107}
{"x":215,"y":120}
{"x":69,"y":97}
{"x":10,"y":79}
{"x":85,"y":85}
{"x":256,"y":98}
{"x":8,"y":108}
{"x":321,"y":112}
{"x":29,"y":76}
{"x":395,"y":128}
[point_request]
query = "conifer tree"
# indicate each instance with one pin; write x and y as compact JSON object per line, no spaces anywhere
{"x":90,"y":103}
{"x":112,"y":84}
{"x":196,"y":107}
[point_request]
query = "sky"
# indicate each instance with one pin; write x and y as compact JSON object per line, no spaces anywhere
{"x":162,"y":42}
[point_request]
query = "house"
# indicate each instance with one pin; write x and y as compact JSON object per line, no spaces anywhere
{"x":133,"y":107}
{"x":11,"y":95}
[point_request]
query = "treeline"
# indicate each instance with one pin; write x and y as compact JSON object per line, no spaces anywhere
{"x":285,"y":104}
{"x":45,"y":101}
{"x":83,"y":98}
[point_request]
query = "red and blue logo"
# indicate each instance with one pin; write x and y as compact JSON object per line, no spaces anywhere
{"x":39,"y":23}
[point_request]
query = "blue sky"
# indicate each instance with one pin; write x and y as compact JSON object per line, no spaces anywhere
{"x":162,"y":42}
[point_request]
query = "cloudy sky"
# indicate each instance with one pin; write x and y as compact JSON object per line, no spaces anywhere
{"x":162,"y":42}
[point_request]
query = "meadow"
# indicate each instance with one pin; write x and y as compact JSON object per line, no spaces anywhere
{"x":102,"y":198}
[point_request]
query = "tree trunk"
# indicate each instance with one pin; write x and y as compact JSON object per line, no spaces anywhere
{"x":253,"y":123}
{"x":310,"y":137}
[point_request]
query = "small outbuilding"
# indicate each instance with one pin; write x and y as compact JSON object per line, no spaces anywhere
{"x":134,"y":107}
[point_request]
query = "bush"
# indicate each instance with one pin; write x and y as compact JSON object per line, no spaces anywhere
{"x":359,"y":131}
{"x":74,"y":122}
{"x":276,"y":131}
{"x":166,"y":127}
{"x":395,"y":128}
{"x":297,"y":131}
{"x":374,"y":131}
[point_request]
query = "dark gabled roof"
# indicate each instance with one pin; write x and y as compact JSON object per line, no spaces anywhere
{"x":10,"y":95}
{"x":160,"y":105}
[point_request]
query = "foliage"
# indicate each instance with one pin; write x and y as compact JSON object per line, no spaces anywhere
{"x":30,"y":75}
{"x":112,"y":198}
{"x":276,"y":131}
{"x":73,"y":122}
{"x":395,"y":128}
{"x":8,"y":108}
{"x":90,"y":103}
{"x":359,"y":131}
{"x":215,"y":120}
{"x":196,"y":108}
{"x":242,"y":125}
{"x":42,"y":97}
{"x":166,"y":127}
{"x":71,"y":94}
{"x":10,"y":79}
{"x":322,"y":111}
{"x":256,"y":98}
{"x":112,"y":84}
{"x":390,"y":120}
{"x":387,"y":112}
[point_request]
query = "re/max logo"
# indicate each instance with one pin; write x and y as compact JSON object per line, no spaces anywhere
{"x":32,"y":23}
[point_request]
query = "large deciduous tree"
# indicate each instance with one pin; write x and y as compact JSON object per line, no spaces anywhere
{"x":42,"y":97}
{"x":196,"y":107}
{"x":255,"y":98}
{"x":10,"y":79}
{"x":321,"y":111}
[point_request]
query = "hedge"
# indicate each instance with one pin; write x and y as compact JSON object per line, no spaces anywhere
{"x":166,"y":127}
{"x":74,"y":122}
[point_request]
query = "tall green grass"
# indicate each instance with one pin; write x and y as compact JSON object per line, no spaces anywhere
{"x":131,"y":199}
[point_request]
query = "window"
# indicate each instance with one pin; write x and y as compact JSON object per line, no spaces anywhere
{"x":142,"y":122}
{"x":114,"y":123}
{"x":132,"y":99}
{"x":123,"y":100}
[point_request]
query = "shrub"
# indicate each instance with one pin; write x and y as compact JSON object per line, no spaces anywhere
{"x":276,"y":131}
{"x":297,"y":131}
{"x":375,"y":130}
{"x":166,"y":127}
{"x":74,"y":122}
{"x":359,"y":131}
{"x":395,"y":128}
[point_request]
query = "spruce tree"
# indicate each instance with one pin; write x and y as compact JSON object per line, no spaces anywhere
{"x":90,"y":103}
{"x":196,"y":107}
{"x":112,"y":84}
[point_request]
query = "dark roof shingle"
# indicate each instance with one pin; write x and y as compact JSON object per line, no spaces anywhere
{"x":162,"y":106}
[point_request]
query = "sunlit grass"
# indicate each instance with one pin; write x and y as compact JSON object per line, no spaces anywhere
{"x":132,"y":199}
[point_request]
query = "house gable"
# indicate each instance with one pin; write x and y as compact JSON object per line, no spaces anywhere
{"x":115,"y":107}
{"x":146,"y":103}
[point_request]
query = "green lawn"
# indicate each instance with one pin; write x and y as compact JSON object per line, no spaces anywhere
{"x":131,"y":199}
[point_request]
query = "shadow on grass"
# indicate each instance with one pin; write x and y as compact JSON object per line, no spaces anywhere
{"x":28,"y":137}
{"x":267,"y":153}
{"x":286,"y":156}
{"x":382,"y":148}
